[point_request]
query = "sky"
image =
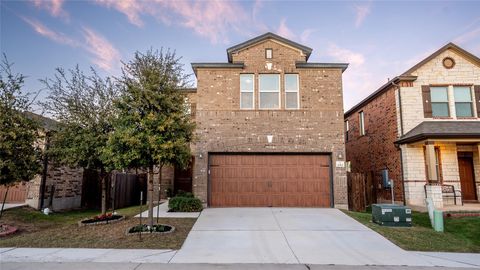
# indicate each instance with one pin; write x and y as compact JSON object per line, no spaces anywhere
{"x":379,"y":39}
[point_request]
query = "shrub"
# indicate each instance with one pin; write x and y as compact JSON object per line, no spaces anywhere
{"x":182,"y":193}
{"x":184,"y":204}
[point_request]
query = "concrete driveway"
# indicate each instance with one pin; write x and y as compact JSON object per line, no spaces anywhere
{"x":288,"y":235}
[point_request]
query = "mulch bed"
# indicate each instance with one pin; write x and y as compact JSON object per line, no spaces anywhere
{"x":101,"y":221}
{"x":461,"y":214}
{"x":7,"y":230}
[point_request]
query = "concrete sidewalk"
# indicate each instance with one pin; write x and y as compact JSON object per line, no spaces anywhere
{"x":126,"y":257}
{"x":155,"y":266}
{"x":163,"y":212}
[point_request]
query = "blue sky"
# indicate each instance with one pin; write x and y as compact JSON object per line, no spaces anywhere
{"x":380,"y":39}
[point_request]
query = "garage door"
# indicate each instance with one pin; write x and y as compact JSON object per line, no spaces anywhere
{"x":270,"y":180}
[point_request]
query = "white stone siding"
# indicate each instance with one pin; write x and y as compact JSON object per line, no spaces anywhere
{"x":433,"y":72}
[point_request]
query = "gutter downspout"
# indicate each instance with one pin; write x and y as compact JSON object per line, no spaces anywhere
{"x":44,"y":173}
{"x":401,"y":134}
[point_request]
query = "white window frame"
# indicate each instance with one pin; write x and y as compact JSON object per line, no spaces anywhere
{"x":269,"y":91}
{"x":472,"y":99}
{"x":361,"y":123}
{"x":290,"y":91}
{"x":247,"y":91}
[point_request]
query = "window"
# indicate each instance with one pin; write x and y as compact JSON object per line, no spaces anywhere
{"x":291,"y":91}
{"x":439,"y":97}
{"x":268,"y":53}
{"x":463,"y":101}
{"x":361,"y":121}
{"x":346,"y":130}
{"x":269,"y":87}
{"x":246,"y":91}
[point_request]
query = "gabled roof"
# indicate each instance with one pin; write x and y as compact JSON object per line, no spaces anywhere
{"x":442,"y":130}
{"x":407,"y":75}
{"x":450,"y":46}
{"x":378,"y":92}
{"x":306,"y":50}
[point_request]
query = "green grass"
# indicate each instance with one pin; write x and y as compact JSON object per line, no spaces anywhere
{"x":461,"y":234}
{"x":62,"y":230}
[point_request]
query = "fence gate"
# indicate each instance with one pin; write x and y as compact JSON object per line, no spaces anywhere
{"x":357,"y":198}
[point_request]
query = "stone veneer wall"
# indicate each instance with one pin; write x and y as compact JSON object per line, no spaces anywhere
{"x":316,"y":127}
{"x":68,"y":188}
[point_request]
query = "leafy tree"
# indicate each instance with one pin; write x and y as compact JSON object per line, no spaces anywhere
{"x":20,"y":154}
{"x":83,"y":105}
{"x":153,"y":127}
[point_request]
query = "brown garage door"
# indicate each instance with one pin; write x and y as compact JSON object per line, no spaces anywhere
{"x":270,"y":180}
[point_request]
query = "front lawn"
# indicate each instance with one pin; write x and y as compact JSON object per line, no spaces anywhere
{"x":62,"y":230}
{"x":461,"y":234}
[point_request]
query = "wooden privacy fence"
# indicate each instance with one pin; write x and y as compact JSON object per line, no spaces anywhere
{"x":16,"y":193}
{"x":123,"y":192}
{"x":361,"y":191}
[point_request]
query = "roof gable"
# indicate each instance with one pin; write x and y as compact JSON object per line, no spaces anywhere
{"x":450,"y":46}
{"x":267,"y":36}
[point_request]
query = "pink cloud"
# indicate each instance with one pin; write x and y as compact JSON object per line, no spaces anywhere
{"x":361,"y":13}
{"x":213,"y":19}
{"x":284,"y":31}
{"x":130,"y":8}
{"x":49,"y":33}
{"x":105,"y":55}
{"x":54,"y":7}
{"x":346,"y":55}
{"x":306,"y":34}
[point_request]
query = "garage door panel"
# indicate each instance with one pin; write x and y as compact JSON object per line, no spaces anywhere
{"x":269,"y":180}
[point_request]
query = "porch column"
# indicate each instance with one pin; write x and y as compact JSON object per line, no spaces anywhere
{"x":431,"y":162}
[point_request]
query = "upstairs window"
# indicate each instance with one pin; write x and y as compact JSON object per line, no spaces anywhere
{"x":269,"y":88}
{"x":439,"y":98}
{"x":361,"y":121}
{"x":246,"y":91}
{"x":463,"y":101}
{"x":268,"y":53}
{"x":291,"y":91}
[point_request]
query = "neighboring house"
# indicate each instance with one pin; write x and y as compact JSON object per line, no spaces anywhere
{"x":269,"y":128}
{"x":423,"y":126}
{"x":64,"y":182}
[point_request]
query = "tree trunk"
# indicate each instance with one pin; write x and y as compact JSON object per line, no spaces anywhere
{"x":159,"y":190}
{"x":4,"y":200}
{"x":103,"y":177}
{"x":150,"y":196}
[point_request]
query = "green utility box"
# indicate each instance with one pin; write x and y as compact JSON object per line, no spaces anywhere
{"x":392,"y":215}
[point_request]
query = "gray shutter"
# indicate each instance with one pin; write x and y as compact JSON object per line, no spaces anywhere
{"x":427,"y":103}
{"x":476,"y":89}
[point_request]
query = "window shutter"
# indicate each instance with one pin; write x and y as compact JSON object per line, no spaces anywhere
{"x":476,"y":88}
{"x":427,"y":103}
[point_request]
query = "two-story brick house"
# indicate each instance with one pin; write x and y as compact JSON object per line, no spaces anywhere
{"x":269,"y":128}
{"x":423,"y":126}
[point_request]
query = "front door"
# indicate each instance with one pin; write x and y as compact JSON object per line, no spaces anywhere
{"x":467,"y":178}
{"x":183,"y":179}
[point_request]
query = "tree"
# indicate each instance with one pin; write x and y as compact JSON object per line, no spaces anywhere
{"x":20,"y":154}
{"x":83,"y":105}
{"x":153,"y":127}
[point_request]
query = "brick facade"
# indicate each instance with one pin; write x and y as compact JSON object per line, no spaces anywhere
{"x":317,"y":127}
{"x":67,"y":183}
{"x":375,"y":150}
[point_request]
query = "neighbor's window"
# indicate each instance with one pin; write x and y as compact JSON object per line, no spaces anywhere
{"x":439,"y":97}
{"x":268,"y":53}
{"x":269,"y":88}
{"x":361,"y":120}
{"x":246,"y":91}
{"x":463,"y":101}
{"x":291,"y":91}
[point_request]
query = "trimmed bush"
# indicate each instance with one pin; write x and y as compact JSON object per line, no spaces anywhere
{"x":184,"y":204}
{"x":182,"y":193}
